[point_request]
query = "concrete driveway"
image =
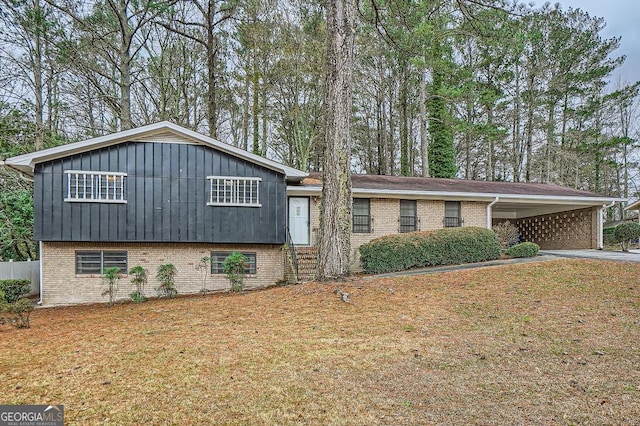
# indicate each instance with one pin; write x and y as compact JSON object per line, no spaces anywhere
{"x":619,"y":256}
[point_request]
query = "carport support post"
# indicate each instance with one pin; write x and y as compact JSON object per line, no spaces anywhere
{"x":489,"y":222}
{"x":600,"y":224}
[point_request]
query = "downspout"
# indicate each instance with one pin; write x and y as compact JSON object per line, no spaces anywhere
{"x":601,"y":225}
{"x":489,"y":212}
{"x":40,"y":267}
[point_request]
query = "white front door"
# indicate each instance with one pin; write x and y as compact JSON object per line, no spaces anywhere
{"x":299,"y":220}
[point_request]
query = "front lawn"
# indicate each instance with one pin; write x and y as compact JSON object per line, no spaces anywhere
{"x":555,"y":342}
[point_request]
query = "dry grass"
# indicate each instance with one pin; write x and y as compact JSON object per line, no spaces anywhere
{"x":540,"y":343}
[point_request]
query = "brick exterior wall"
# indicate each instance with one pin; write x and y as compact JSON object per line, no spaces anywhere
{"x":62,"y":286}
{"x":574,"y":229}
{"x":385,"y":213}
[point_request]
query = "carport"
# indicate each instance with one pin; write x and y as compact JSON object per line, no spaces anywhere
{"x":555,"y":221}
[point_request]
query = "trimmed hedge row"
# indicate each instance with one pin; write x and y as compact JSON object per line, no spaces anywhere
{"x":399,"y":252}
{"x":523,"y":250}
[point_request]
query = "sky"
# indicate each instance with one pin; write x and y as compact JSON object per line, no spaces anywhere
{"x":622,"y":18}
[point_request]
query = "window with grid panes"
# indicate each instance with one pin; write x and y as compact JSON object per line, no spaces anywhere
{"x":96,"y":261}
{"x":234,"y":191}
{"x":100,"y":187}
{"x":408,"y":216}
{"x":452,"y":218}
{"x":361,"y":215}
{"x":218,"y":258}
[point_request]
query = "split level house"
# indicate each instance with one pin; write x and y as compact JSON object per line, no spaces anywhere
{"x":162,"y":194}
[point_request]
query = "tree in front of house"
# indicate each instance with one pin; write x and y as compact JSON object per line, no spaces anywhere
{"x":335,"y":211}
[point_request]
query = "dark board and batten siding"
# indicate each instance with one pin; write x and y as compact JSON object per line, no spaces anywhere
{"x":167,"y":191}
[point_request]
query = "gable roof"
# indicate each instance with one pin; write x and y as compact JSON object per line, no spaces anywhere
{"x":163,"y":131}
{"x":440,"y":188}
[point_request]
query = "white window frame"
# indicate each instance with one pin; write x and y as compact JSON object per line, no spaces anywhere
{"x":218,"y":258}
{"x":88,"y":187}
{"x":117,"y":258}
{"x":219,"y":196}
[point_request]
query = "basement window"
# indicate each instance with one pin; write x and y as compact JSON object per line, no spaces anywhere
{"x":218,"y":258}
{"x":96,"y":187}
{"x":96,"y":261}
{"x":234,"y":191}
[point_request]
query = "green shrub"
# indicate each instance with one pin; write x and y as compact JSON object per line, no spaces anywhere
{"x":399,"y":252}
{"x":14,"y":289}
{"x":523,"y":250}
{"x":609,"y":236}
{"x":234,"y":266}
{"x":111,"y":276}
{"x":18,"y":312}
{"x":166,"y":274}
{"x":507,"y":234}
{"x":626,"y":233}
{"x":139,"y":279}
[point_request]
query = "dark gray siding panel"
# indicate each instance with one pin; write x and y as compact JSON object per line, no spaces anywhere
{"x":167,"y":191}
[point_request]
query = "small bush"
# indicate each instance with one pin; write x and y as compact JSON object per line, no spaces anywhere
{"x":523,"y":250}
{"x":14,"y":289}
{"x":626,"y":233}
{"x":609,"y":236}
{"x":399,"y":252}
{"x":166,"y":274}
{"x":234,"y":266}
{"x":139,"y":280}
{"x":204,"y":268}
{"x":507,"y":234}
{"x":111,"y":276}
{"x":18,"y":312}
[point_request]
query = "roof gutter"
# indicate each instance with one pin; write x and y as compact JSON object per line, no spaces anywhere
{"x":40,"y":272}
{"x":489,"y":206}
{"x":601,"y":226}
{"x":468,"y":196}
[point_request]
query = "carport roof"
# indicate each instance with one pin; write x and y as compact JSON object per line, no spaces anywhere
{"x":461,"y":185}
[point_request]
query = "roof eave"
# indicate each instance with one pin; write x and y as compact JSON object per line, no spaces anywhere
{"x":467,"y":196}
{"x":26,"y":162}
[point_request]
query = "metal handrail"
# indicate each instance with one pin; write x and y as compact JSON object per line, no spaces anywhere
{"x":293,"y":254}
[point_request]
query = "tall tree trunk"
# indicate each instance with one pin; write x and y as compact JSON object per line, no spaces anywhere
{"x":529,"y":136}
{"x":245,"y":115}
{"x":256,"y":108}
{"x":550,"y":142}
{"x":515,"y":129}
{"x":37,"y":77}
{"x":424,"y":144}
{"x":491,"y":169}
{"x":335,"y":209}
{"x":380,"y":139}
{"x":265,"y":118}
{"x":404,"y":128}
{"x":211,"y":46}
{"x":124,"y":65}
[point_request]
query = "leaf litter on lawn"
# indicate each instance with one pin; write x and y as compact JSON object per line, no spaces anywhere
{"x":538,"y":343}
